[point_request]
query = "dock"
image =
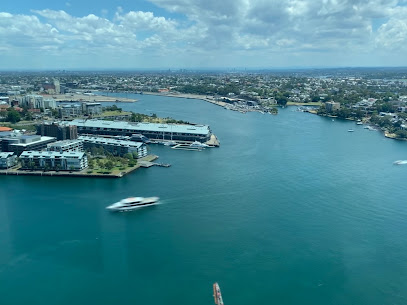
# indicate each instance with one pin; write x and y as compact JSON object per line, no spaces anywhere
{"x":149,"y":164}
{"x":187,"y":147}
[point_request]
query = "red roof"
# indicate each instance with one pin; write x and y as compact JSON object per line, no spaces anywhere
{"x":2,"y":128}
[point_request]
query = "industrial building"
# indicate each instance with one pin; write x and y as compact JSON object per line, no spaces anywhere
{"x":115,"y":147}
{"x":155,"y":131}
{"x":53,"y":160}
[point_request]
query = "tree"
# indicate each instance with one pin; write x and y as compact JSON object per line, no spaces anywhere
{"x":282,"y":101}
{"x":401,"y":134}
{"x":99,"y":163}
{"x":109,"y":165}
{"x":128,"y":156}
{"x":31,"y":165}
{"x":91,"y":163}
{"x":135,"y":155}
{"x":13,"y":116}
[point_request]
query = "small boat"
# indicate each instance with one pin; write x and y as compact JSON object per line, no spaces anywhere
{"x":170,"y":143}
{"x":400,"y":162}
{"x":359,"y":123}
{"x":198,"y":144}
{"x":217,"y":295}
{"x":350,"y":130}
{"x":132,"y":203}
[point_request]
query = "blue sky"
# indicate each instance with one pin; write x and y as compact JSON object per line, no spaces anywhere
{"x":172,"y":34}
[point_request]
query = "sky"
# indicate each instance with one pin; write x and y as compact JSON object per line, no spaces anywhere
{"x":190,"y":34}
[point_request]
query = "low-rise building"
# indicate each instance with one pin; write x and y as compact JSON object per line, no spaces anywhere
{"x":7,"y":159}
{"x":91,"y":108}
{"x":114,"y":146}
{"x":66,"y":146}
{"x":52,"y":160}
{"x":182,"y":132}
{"x":18,"y":143}
{"x":70,"y":110}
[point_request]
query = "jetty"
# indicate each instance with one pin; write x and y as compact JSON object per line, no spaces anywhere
{"x":149,"y":164}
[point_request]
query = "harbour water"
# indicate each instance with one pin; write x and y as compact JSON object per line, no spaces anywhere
{"x":291,"y":209}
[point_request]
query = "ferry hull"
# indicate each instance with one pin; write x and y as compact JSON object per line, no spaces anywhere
{"x":119,"y":206}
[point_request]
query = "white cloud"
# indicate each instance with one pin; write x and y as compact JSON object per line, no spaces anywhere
{"x":233,"y":29}
{"x":392,"y":35}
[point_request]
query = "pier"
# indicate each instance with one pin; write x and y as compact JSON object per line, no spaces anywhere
{"x":149,"y":164}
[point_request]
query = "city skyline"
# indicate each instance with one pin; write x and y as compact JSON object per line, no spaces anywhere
{"x":177,"y":34}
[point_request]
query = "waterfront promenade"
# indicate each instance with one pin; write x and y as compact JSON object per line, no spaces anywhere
{"x":116,"y":173}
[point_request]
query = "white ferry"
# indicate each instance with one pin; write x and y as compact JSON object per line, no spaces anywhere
{"x":132,"y":203}
{"x":400,"y":162}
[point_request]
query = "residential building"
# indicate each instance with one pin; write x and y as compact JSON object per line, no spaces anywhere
{"x":70,"y":110}
{"x":53,"y":160}
{"x":114,"y":146}
{"x":33,"y":101}
{"x":50,"y":103}
{"x":60,"y":131}
{"x":91,"y":108}
{"x":332,"y":106}
{"x":66,"y":146}
{"x":7,"y":159}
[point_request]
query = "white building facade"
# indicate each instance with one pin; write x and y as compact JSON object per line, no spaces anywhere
{"x":7,"y":160}
{"x":66,"y":161}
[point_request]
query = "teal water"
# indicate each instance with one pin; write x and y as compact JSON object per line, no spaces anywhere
{"x":291,"y":209}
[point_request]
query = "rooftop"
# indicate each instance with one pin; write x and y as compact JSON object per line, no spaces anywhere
{"x":43,"y":139}
{"x":110,"y":141}
{"x":52,"y":154}
{"x":137,"y":127}
{"x":6,"y":154}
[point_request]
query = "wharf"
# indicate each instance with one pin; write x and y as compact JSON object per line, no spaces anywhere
{"x":149,"y":164}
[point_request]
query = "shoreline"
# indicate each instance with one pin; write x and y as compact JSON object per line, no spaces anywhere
{"x":82,"y":174}
{"x":189,"y":96}
{"x":71,"y":98}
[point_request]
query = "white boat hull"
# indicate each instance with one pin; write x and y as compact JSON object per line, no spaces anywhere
{"x":145,"y":202}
